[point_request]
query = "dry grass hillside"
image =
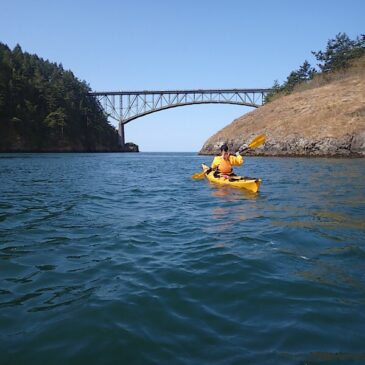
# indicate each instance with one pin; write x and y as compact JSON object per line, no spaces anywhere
{"x":325,"y":117}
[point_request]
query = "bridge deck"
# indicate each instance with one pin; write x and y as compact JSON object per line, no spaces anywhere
{"x":188,"y":91}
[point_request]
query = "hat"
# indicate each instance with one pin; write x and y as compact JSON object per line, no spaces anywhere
{"x":224,"y":148}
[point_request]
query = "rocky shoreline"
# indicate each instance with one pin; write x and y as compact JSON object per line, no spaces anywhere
{"x":346,"y":146}
{"x":128,"y":147}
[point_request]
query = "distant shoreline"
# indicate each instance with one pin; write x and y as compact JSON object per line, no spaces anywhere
{"x":191,"y":152}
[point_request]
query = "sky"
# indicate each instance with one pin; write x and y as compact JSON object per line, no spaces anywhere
{"x":170,"y":44}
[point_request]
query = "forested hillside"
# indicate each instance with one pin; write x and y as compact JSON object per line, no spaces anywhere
{"x":46,"y":108}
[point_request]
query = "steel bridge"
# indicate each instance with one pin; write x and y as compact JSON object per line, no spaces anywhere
{"x":125,"y":106}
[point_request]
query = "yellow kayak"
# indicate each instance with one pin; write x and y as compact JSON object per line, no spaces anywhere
{"x":249,"y":183}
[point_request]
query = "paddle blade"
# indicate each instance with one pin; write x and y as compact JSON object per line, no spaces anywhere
{"x":199,"y":175}
{"x":258,"y":141}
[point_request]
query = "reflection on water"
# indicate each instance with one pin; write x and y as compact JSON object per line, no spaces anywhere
{"x":232,"y":194}
{"x":332,"y":275}
{"x":235,"y":206}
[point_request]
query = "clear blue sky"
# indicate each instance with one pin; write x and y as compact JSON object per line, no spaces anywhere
{"x":168,"y":44}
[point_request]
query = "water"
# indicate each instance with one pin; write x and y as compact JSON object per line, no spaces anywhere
{"x":124,"y":259}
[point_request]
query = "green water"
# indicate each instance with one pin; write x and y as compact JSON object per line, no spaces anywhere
{"x":124,"y":259}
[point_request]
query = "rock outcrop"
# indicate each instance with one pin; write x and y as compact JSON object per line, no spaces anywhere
{"x":327,"y":120}
{"x":130,"y":147}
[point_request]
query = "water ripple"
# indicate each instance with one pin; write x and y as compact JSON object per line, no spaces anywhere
{"x":109,"y":258}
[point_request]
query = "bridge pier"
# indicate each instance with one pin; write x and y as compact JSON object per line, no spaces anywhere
{"x":121,"y":134}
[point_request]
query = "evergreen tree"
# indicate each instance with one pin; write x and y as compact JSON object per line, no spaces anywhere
{"x":340,"y":52}
{"x":305,"y":73}
{"x":44,"y":107}
{"x":275,"y":89}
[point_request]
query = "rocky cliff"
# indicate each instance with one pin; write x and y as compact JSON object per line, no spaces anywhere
{"x":320,"y":119}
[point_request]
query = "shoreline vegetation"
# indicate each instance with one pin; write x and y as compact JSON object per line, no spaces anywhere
{"x":44,"y":108}
{"x":314,"y":113}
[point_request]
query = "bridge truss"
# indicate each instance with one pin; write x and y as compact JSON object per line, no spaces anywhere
{"x":125,"y":106}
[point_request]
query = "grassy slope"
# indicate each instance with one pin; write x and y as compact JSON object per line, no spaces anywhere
{"x":327,"y":107}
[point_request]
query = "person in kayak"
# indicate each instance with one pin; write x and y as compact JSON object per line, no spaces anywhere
{"x":222,"y":164}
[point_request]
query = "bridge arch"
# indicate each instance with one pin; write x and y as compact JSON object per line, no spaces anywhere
{"x":126,"y":106}
{"x":136,"y":116}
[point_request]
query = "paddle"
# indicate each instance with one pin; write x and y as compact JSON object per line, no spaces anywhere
{"x":199,"y":175}
{"x":256,"y":142}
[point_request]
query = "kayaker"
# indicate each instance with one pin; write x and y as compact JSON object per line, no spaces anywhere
{"x":223,"y":163}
